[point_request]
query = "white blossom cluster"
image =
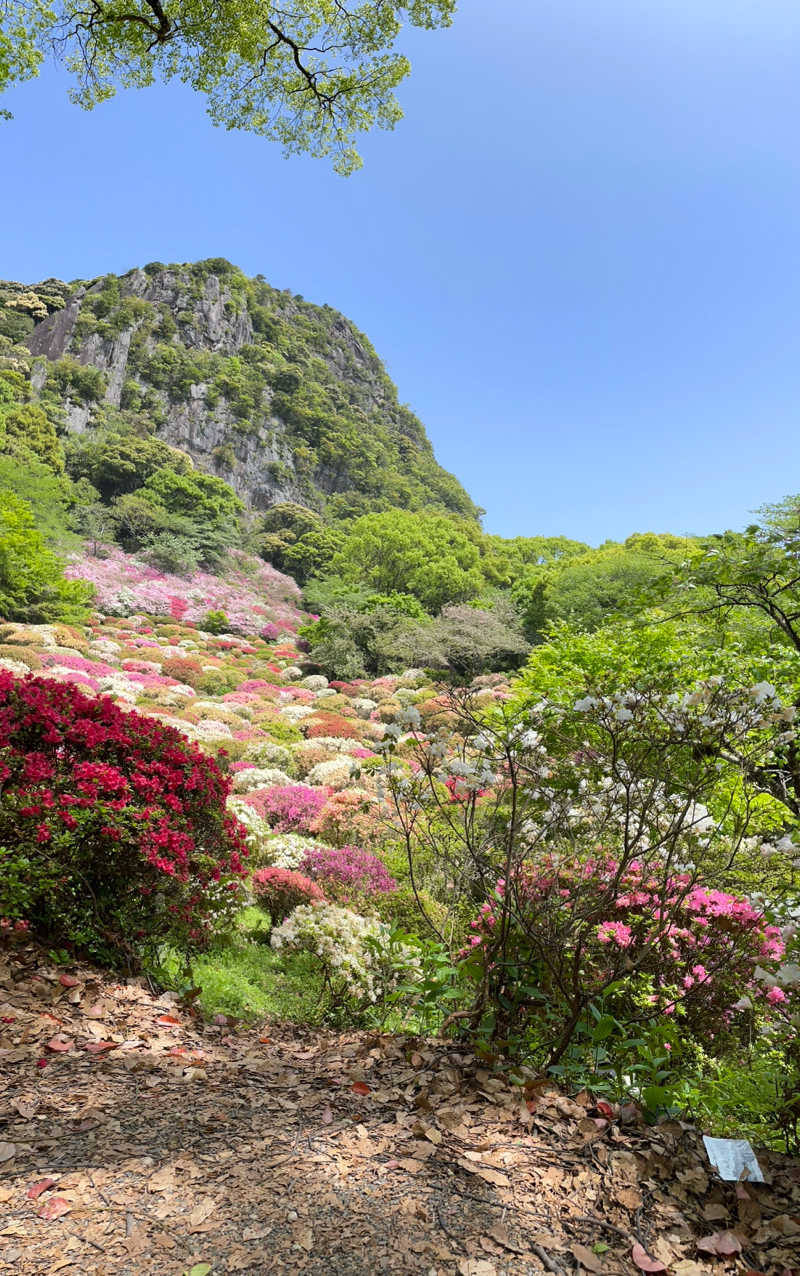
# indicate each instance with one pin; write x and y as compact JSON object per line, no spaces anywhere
{"x":259,"y":778}
{"x":265,"y":753}
{"x":349,"y":946}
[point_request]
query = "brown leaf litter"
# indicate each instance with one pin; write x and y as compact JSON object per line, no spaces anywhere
{"x":136,"y":1139}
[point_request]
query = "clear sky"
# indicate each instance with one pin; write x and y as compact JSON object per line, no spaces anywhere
{"x":578,"y":255}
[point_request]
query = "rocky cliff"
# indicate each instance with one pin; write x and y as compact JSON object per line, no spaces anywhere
{"x":284,"y":400}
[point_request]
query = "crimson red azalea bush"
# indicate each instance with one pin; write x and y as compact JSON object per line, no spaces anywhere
{"x":280,"y":890}
{"x":113,"y":827}
{"x":662,"y":939}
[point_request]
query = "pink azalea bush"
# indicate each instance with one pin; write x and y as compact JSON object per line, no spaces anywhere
{"x":289,"y":808}
{"x":280,"y":890}
{"x":352,"y":814}
{"x":348,"y":872}
{"x":670,"y":945}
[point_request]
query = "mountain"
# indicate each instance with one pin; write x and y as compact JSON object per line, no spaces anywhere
{"x":282,"y":399}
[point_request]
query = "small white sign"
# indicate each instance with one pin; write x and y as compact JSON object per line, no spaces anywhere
{"x":733,"y":1159}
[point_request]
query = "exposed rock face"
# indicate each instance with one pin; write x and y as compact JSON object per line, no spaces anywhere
{"x":284,"y":400}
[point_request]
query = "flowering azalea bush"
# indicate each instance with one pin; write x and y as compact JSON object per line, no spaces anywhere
{"x":330,"y":724}
{"x":120,"y":822}
{"x":289,"y":808}
{"x":684,"y":950}
{"x":358,"y":959}
{"x":280,"y":890}
{"x":352,"y":814}
{"x":289,"y":850}
{"x":348,"y":872}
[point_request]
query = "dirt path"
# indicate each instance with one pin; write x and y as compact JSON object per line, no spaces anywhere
{"x":134,"y":1139}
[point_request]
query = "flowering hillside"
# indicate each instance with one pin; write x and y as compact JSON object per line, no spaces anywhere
{"x":254,"y":598}
{"x":300,"y":751}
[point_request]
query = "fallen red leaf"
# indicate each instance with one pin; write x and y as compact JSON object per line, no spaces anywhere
{"x":100,"y":1047}
{"x":42,"y":1063}
{"x":643,"y":1260}
{"x":59,"y":1044}
{"x":605,"y":1109}
{"x":54,"y":1208}
{"x":68,"y":981}
{"x":7,"y":1019}
{"x":360,"y":1087}
{"x":35,"y":1190}
{"x":722,"y":1243}
{"x":167,"y":1021}
{"x":265,"y":1041}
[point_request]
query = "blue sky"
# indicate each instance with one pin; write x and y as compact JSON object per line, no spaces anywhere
{"x":578,"y":255}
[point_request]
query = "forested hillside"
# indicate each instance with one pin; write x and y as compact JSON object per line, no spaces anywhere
{"x":282,"y":399}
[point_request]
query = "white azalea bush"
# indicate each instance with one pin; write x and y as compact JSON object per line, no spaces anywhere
{"x":288,"y":850}
{"x":267,"y":848}
{"x":259,"y":778}
{"x":268,"y":753}
{"x":360,"y":960}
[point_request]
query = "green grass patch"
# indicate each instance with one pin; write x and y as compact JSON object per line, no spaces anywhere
{"x":246,"y":978}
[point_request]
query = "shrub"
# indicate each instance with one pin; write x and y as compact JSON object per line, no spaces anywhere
{"x":188,"y":671}
{"x":269,"y":753}
{"x":400,"y":909}
{"x":251,"y":778}
{"x":336,"y":773}
{"x":20,"y":654}
{"x":215,"y":622}
{"x":120,"y":821}
{"x":289,"y":808}
{"x":351,"y":950}
{"x":257,"y":831}
{"x":283,"y":732}
{"x":287,"y":850}
{"x":278,"y":891}
{"x":218,"y":682}
{"x":348,"y":872}
{"x":352,"y":815}
{"x":331,"y":724}
{"x":310,"y":754}
{"x":676,"y":946}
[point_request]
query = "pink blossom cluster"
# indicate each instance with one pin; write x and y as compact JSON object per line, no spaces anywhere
{"x":699,"y":945}
{"x":249,"y":598}
{"x":289,"y":808}
{"x":347,"y":870}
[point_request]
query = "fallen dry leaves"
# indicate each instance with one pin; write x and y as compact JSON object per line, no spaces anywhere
{"x":155,"y":1145}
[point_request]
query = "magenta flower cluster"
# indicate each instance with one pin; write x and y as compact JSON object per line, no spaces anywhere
{"x":289,"y":808}
{"x":349,"y":868}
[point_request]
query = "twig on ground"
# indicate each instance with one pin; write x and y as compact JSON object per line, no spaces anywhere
{"x":549,"y":1262}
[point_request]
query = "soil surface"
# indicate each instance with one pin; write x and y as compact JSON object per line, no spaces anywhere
{"x":136,"y":1139}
